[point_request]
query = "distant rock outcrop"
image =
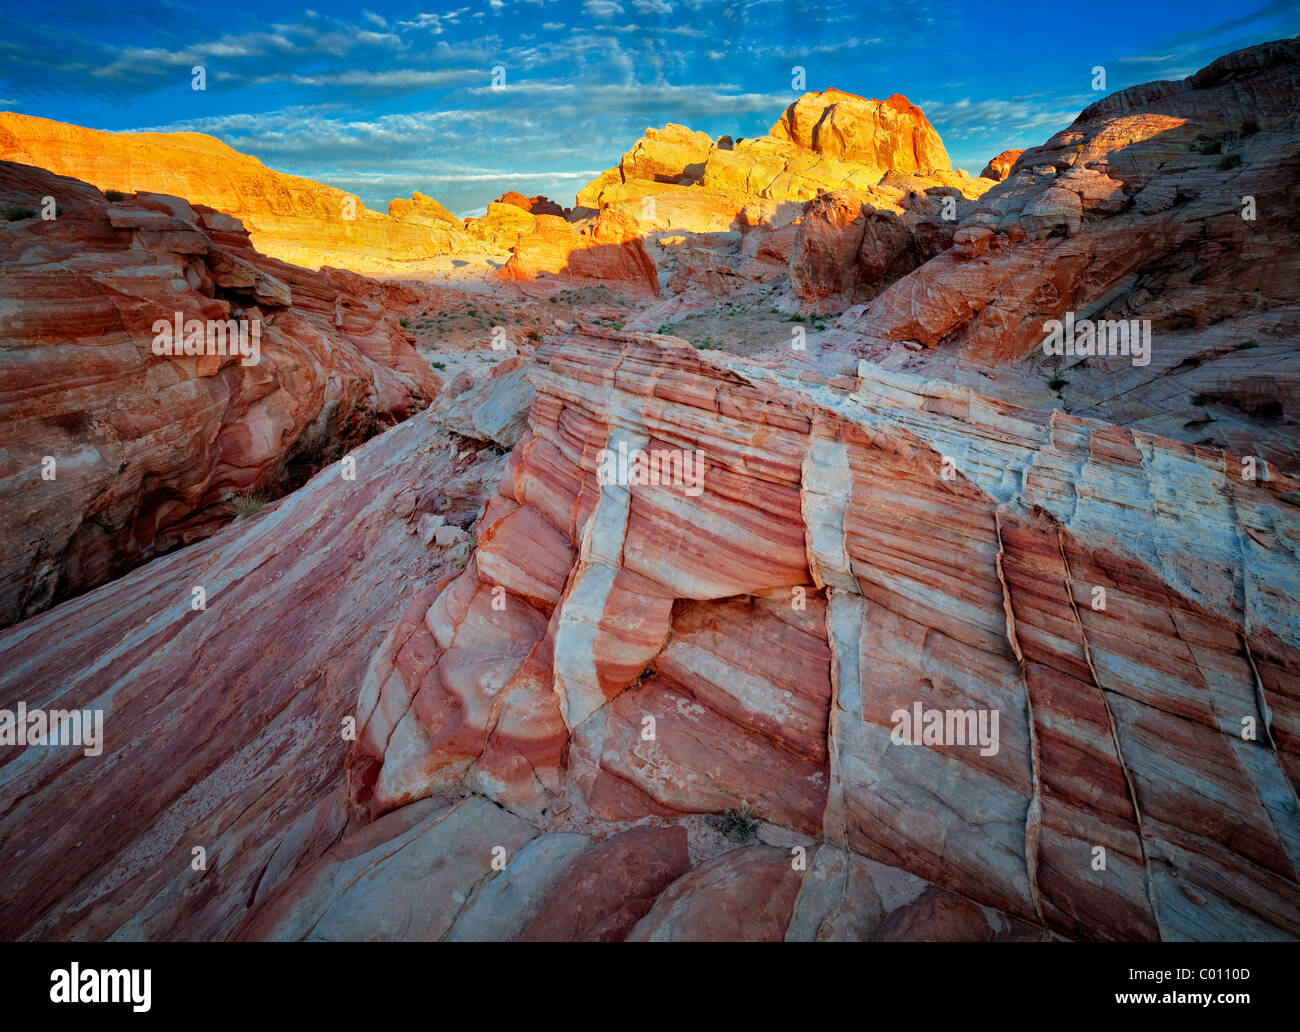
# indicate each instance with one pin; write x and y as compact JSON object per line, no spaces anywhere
{"x":608,"y":249}
{"x":422,"y":210}
{"x":999,"y":167}
{"x":886,"y":135}
{"x":287,"y":217}
{"x":830,"y":144}
{"x":533,"y":205}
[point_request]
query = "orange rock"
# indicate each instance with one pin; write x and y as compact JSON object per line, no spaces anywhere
{"x":607,"y":250}
{"x":533,"y":205}
{"x":287,"y":217}
{"x":999,"y":167}
{"x":890,"y":134}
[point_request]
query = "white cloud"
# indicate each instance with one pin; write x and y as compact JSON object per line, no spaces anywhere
{"x":602,"y":8}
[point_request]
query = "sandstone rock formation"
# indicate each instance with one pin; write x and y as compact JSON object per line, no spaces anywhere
{"x":501,"y":227}
{"x":287,"y":217}
{"x":999,"y":167}
{"x":891,"y":134}
{"x":148,"y":449}
{"x":1171,"y":202}
{"x":533,"y":205}
{"x":888,"y":639}
{"x":828,"y":153}
{"x":422,"y":210}
{"x":608,"y":249}
{"x":224,"y":729}
{"x":850,"y":244}
{"x":673,"y":154}
{"x":774,"y":624}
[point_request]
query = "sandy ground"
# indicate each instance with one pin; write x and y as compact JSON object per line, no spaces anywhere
{"x":466,"y":322}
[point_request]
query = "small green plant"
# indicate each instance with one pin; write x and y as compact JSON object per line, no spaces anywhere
{"x":1230,"y":161}
{"x":795,"y":318}
{"x":1057,"y":383}
{"x":1199,"y":400}
{"x":617,"y":324}
{"x":534,"y":335}
{"x":1248,"y":345}
{"x":706,"y":345}
{"x":405,"y":323}
{"x":115,"y":195}
{"x":739,"y":825}
{"x":819,"y":325}
{"x":245,"y":505}
{"x":438,"y":365}
{"x":16,"y":213}
{"x":472,"y":312}
{"x":665,"y":328}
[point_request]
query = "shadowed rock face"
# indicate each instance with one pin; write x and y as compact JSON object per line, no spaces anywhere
{"x":606,"y":250}
{"x":534,"y":205}
{"x":148,"y":448}
{"x":223,"y":728}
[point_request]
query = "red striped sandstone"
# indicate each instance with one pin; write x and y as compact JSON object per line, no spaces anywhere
{"x":149,"y":448}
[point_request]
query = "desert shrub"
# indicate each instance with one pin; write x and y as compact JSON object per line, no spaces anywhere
{"x":738,"y":825}
{"x":245,"y":505}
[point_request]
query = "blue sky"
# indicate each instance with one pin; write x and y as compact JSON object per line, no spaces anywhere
{"x":385,"y":98}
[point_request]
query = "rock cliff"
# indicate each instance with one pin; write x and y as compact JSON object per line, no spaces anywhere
{"x":113,"y":453}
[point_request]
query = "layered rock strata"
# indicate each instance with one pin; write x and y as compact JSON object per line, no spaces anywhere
{"x":114,"y":453}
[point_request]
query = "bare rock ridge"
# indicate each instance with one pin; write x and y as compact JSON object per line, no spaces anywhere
{"x":288,"y":217}
{"x":147,"y":448}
